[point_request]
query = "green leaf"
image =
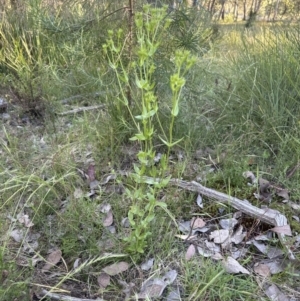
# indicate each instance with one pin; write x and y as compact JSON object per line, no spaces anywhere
{"x":113,"y":66}
{"x":150,"y":218}
{"x":161,"y":204}
{"x":146,"y":115}
{"x":150,"y":181}
{"x":170,"y":144}
{"x":130,"y":217}
{"x":141,"y":83}
{"x":163,"y":183}
{"x":165,"y":142}
{"x":135,"y":210}
{"x":175,"y":109}
{"x":139,"y":136}
{"x":124,"y":78}
{"x":140,"y":250}
{"x":144,"y":161}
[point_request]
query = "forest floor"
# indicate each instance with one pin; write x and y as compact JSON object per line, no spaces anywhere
{"x":226,"y":222}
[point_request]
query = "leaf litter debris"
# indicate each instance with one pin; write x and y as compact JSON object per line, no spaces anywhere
{"x":223,"y":240}
{"x":221,"y":243}
{"x":154,"y":288}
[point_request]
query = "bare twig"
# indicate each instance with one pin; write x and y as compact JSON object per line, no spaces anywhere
{"x":81,"y":96}
{"x":291,"y":171}
{"x":81,"y":109}
{"x":130,"y":44}
{"x":65,"y":298}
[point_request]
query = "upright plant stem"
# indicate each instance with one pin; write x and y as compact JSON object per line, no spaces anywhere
{"x":130,"y":24}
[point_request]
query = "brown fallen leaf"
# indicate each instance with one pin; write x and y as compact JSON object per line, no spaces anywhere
{"x":250,"y":175}
{"x":284,"y":193}
{"x":52,"y":259}
{"x":275,"y":266}
{"x":78,"y":193}
{"x":294,"y":206}
{"x":147,"y":265}
{"x":153,"y":288}
{"x":116,"y":268}
{"x":191,"y":251}
{"x":265,"y":194}
{"x":76,"y":263}
{"x":219,"y":236}
{"x":271,"y":252}
{"x":174,"y":294}
{"x":24,"y":219}
{"x":205,"y":252}
{"x":275,"y":294}
{"x":238,"y":236}
{"x":199,"y":201}
{"x":262,"y":270}
{"x":17,"y":234}
{"x":104,"y":208}
{"x":108,"y":219}
{"x":91,"y":173}
{"x":197,"y":223}
{"x":103,"y":280}
{"x":285,"y":229}
{"x":263,"y":182}
{"x":28,"y":261}
{"x":212,"y":246}
{"x":228,"y":223}
{"x":233,"y":267}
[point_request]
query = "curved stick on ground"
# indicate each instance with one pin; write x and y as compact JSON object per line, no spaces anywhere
{"x":266,"y":215}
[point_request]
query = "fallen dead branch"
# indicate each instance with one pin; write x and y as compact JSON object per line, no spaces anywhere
{"x":81,"y":109}
{"x":266,"y":215}
{"x":65,"y":298}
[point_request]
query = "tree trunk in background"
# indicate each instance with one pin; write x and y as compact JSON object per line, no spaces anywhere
{"x":269,"y":12}
{"x":208,"y":5}
{"x":257,"y":5}
{"x":2,"y":5}
{"x":245,"y":10}
{"x":276,"y":10}
{"x":222,"y":11}
{"x":252,"y":6}
{"x":235,"y":11}
{"x":211,"y":9}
